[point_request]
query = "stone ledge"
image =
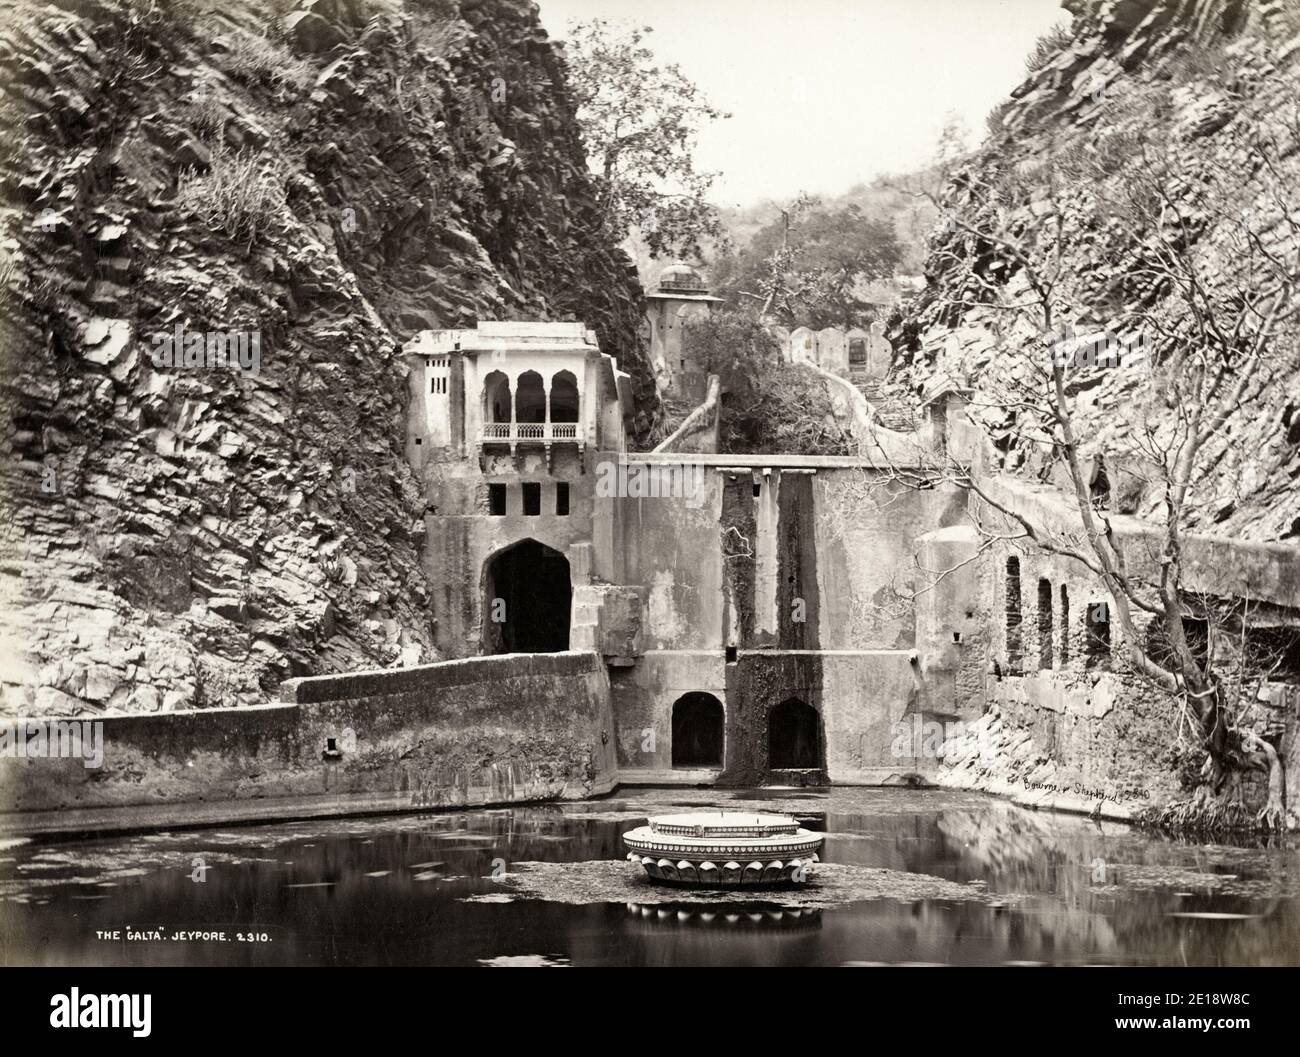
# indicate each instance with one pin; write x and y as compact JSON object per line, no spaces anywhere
{"x":387,"y":681}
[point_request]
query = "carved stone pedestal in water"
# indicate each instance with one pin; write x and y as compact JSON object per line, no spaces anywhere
{"x":724,"y":849}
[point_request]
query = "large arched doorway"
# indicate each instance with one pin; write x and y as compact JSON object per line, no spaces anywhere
{"x":697,"y":730}
{"x":527,"y":595}
{"x":794,"y":736}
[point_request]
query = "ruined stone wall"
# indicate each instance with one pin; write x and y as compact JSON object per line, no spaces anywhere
{"x":866,"y":534}
{"x":1069,"y":727}
{"x":483,"y":731}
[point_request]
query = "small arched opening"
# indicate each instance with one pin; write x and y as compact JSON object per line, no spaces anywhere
{"x":697,"y":730}
{"x":794,"y":736}
{"x":1099,"y":486}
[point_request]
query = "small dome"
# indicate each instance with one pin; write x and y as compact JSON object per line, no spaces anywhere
{"x":681,"y":277}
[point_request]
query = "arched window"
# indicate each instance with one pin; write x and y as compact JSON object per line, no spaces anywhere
{"x":1065,"y":626}
{"x":1099,"y":487}
{"x":1096,"y":634}
{"x":564,"y":397}
{"x":530,"y":398}
{"x":496,"y":398}
{"x":1044,"y":624}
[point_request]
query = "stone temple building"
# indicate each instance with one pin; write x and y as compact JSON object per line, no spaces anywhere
{"x":610,"y":618}
{"x":761,"y":617}
{"x":681,"y":295}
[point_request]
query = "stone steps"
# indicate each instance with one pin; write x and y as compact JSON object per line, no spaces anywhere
{"x":892,"y":411}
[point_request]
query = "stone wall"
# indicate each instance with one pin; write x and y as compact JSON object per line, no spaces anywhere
{"x":789,"y":578}
{"x":861,"y":353}
{"x":481,"y":731}
{"x":1061,"y":724}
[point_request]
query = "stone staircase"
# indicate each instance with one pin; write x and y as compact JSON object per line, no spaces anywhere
{"x":892,"y":410}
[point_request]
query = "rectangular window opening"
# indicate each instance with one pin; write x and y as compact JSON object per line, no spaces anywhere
{"x":497,"y":500}
{"x":532,"y":498}
{"x":562,"y":498}
{"x":1044,"y":624}
{"x":1096,"y":622}
{"x":1065,"y":626}
{"x":1015,"y":649}
{"x":731,"y":654}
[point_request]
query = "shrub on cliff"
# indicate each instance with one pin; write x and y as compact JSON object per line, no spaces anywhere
{"x":262,"y":60}
{"x":240,"y":194}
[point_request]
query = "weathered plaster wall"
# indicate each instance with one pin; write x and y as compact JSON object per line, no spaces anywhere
{"x":670,"y":546}
{"x":954,"y":620}
{"x":866,"y":533}
{"x":643,"y":699}
{"x":865,"y":694}
{"x":487,"y":730}
{"x":461,"y":535}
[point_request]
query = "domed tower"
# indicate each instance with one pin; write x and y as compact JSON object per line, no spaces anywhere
{"x":682,"y":295}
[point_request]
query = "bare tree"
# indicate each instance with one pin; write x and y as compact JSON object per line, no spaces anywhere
{"x":1214,"y":308}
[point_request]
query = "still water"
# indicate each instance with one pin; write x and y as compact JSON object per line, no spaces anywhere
{"x":440,"y":889}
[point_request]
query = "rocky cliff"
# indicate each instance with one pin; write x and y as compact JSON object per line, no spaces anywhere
{"x":305,"y":187}
{"x":1201,"y":84}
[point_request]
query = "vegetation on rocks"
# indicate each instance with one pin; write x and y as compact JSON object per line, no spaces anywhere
{"x":1140,"y":200}
{"x":331,"y":176}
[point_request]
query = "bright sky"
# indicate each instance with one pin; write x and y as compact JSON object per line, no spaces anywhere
{"x":828,"y":93}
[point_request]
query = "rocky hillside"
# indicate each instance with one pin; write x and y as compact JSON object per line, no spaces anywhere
{"x":1201,"y":84}
{"x":324,"y":181}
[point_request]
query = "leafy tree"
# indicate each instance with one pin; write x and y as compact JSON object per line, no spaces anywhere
{"x":768,"y":406}
{"x":639,"y":119}
{"x":811,"y":263}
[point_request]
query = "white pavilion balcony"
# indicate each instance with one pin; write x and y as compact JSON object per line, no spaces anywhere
{"x":521,"y":432}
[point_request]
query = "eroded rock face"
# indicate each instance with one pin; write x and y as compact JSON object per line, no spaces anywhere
{"x":1204,"y":81}
{"x":190,"y":530}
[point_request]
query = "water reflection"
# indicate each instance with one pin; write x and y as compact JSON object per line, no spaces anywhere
{"x":393,"y":891}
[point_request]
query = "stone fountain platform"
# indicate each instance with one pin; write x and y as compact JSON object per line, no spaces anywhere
{"x":724,"y":849}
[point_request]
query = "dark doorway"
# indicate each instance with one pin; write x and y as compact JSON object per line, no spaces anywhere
{"x":697,"y":731}
{"x":1044,"y":624}
{"x":793,"y":736}
{"x":526,"y":601}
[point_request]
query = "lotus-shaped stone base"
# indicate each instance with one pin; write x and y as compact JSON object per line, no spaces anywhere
{"x":724,"y":849}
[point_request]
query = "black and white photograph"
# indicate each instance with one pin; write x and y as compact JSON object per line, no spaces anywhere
{"x":691,"y":484}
